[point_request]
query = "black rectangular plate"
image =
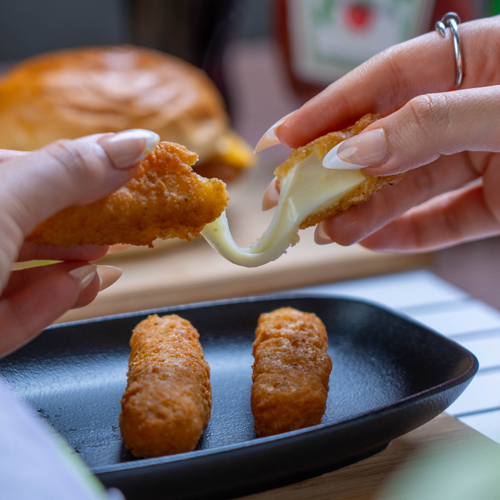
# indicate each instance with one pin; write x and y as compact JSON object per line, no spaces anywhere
{"x":389,"y":376}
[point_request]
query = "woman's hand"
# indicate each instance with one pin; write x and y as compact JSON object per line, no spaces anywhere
{"x":33,"y":187}
{"x":443,"y":139}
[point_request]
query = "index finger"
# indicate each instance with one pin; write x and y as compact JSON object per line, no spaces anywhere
{"x":422,"y":65}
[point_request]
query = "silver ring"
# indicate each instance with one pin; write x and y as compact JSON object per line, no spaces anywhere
{"x":452,"y":21}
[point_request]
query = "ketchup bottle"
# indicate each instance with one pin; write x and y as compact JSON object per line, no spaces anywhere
{"x":322,"y":40}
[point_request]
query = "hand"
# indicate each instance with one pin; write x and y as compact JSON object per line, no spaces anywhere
{"x":33,"y":187}
{"x":443,"y":140}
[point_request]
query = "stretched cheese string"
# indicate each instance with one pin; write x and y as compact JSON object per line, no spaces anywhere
{"x":306,"y":189}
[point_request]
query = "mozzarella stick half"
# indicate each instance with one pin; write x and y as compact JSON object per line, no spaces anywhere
{"x":168,"y":399}
{"x":165,"y":199}
{"x":290,"y":372}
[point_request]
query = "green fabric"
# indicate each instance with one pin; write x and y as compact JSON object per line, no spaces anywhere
{"x":467,"y":470}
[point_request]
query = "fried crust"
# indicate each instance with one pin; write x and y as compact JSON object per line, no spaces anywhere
{"x":290,"y":372}
{"x":321,"y":146}
{"x":168,"y":399}
{"x":165,"y":199}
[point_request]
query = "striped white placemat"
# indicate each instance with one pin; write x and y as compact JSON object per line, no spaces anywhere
{"x":432,"y":301}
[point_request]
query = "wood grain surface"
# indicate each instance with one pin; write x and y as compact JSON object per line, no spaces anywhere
{"x":363,"y":480}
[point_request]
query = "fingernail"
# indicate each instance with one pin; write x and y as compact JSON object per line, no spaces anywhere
{"x":320,"y":236}
{"x":84,"y":275}
{"x":333,"y":162}
{"x":108,"y":275}
{"x":271,"y":196}
{"x":367,"y":149}
{"x":129,"y":147}
{"x":269,"y":138}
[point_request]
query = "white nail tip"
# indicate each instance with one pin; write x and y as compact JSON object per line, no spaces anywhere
{"x":269,"y":138}
{"x":84,"y":275}
{"x":266,"y":141}
{"x":320,"y":236}
{"x":108,"y":275}
{"x":152,"y":140}
{"x":333,"y":162}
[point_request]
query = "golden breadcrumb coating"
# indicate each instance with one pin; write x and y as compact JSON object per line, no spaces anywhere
{"x":168,"y":398}
{"x":290,"y":372}
{"x":165,"y":199}
{"x":321,"y":146}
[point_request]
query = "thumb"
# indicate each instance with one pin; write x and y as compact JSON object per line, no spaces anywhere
{"x":426,"y":128}
{"x":37,"y":185}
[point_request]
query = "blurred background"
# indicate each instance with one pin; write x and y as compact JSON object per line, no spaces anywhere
{"x":266,"y":57}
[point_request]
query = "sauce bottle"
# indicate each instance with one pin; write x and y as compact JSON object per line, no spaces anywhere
{"x":322,"y":40}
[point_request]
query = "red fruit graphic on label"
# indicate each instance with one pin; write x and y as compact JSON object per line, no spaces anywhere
{"x":359,"y":16}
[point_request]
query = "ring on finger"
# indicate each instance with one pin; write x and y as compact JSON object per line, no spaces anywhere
{"x":452,"y":21}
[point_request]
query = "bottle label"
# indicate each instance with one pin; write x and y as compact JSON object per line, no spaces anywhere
{"x":329,"y":38}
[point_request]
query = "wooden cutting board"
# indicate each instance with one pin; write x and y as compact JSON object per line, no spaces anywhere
{"x":179,"y":272}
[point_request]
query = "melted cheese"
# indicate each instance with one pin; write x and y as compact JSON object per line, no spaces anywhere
{"x":306,"y":189}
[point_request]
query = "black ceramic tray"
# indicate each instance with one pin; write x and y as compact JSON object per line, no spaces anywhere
{"x":389,"y":376}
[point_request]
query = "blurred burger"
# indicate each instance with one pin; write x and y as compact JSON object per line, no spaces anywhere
{"x":72,"y":93}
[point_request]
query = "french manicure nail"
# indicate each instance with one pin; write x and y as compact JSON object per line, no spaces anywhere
{"x":84,"y":275}
{"x":333,"y":162}
{"x":269,"y":138}
{"x":108,"y":275}
{"x":367,"y":149}
{"x":320,"y":236}
{"x":129,"y":147}
{"x":271,"y":196}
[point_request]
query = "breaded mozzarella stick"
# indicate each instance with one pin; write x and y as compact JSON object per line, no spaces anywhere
{"x":290,"y":372}
{"x":165,"y":199}
{"x":168,"y":399}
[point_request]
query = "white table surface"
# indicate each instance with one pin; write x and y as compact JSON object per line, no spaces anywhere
{"x":444,"y":308}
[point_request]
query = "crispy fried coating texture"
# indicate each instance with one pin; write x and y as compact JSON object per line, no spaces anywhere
{"x":321,"y":146}
{"x":168,"y":399}
{"x":165,"y":199}
{"x":290,"y":372}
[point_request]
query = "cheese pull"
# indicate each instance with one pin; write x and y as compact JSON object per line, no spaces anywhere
{"x":306,"y":189}
{"x":309,"y":193}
